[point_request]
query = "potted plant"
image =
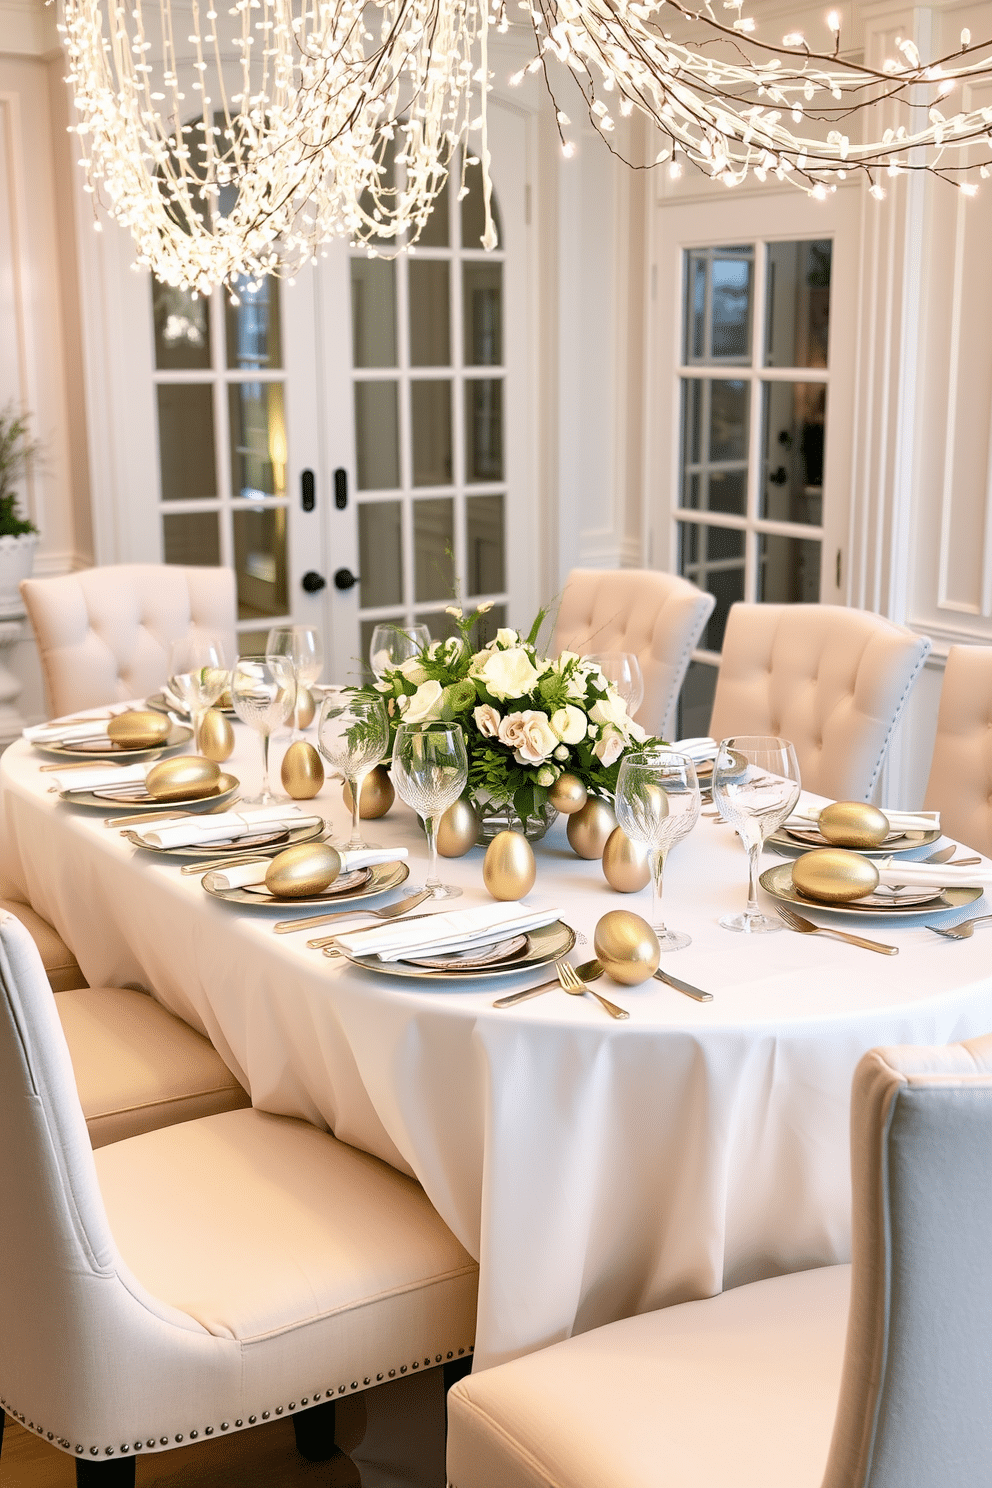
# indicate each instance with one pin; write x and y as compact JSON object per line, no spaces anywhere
{"x":18,"y":535}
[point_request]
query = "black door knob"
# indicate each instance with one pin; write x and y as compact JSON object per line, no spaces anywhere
{"x":778,"y":477}
{"x":345,"y":579}
{"x":312,"y":582}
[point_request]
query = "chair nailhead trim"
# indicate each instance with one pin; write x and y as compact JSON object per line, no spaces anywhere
{"x":278,"y":1410}
{"x":266,"y":1415}
{"x":208,"y":1431}
{"x":193,"y":1435}
{"x":252,"y":1420}
{"x":225,"y":1424}
{"x":179,"y":1437}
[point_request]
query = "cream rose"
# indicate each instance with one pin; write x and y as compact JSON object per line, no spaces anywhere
{"x":569,"y":724}
{"x":612,"y":710}
{"x":529,"y":735}
{"x":608,"y":747}
{"x":413,"y":670}
{"x":487,"y":721}
{"x":425,"y":705}
{"x":508,"y":674}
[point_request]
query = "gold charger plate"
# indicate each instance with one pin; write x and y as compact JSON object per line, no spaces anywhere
{"x":100,"y":751}
{"x":796,"y":840}
{"x":546,"y":944}
{"x":382,"y":876}
{"x":235,"y":846}
{"x":128,"y":803}
{"x":777,"y":881}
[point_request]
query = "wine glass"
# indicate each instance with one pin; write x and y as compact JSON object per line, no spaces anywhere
{"x":302,"y":647}
{"x":623,"y":669}
{"x":430,"y":771}
{"x":393,"y":644}
{"x":197,"y":674}
{"x":353,"y":734}
{"x":755,"y":786}
{"x":263,"y":692}
{"x":657,"y":804}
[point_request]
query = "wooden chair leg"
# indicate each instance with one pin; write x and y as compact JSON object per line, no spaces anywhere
{"x":113,"y":1472}
{"x":3,"y":1419}
{"x":314,"y":1429}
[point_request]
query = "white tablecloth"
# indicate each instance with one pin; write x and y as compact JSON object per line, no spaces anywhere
{"x":595,"y":1168}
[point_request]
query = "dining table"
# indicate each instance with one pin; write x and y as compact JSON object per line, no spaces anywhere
{"x":596,"y":1168}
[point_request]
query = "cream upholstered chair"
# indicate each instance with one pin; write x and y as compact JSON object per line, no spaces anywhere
{"x":201,"y":1278}
{"x":658,"y":617}
{"x":104,"y":634}
{"x":833,"y":680}
{"x":61,"y":966}
{"x":960,"y":784}
{"x":755,"y":1387}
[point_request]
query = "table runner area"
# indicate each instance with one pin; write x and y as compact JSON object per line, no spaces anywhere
{"x":596,"y":1169}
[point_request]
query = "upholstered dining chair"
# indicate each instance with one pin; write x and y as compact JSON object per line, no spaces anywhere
{"x":960,"y":783}
{"x":833,"y":680}
{"x":103,"y":634}
{"x":658,"y":617}
{"x":201,"y":1278}
{"x":757,"y":1387}
{"x":61,"y":966}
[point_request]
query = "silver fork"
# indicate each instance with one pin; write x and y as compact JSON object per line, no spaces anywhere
{"x":572,"y":982}
{"x":960,"y":932}
{"x":806,"y":927}
{"x":389,"y":912}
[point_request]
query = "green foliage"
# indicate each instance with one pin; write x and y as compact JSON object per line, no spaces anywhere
{"x":17,"y":449}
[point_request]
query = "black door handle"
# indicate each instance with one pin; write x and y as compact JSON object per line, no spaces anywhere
{"x":313,"y":582}
{"x":778,"y":477}
{"x":344,"y":579}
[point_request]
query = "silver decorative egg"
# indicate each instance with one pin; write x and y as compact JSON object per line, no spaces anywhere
{"x":302,"y":772}
{"x":458,"y":829}
{"x":509,"y":869}
{"x":588,"y":830}
{"x":833,"y":875}
{"x":853,"y":824}
{"x":626,"y":864}
{"x":216,"y":736}
{"x":298,"y":872}
{"x":627,"y":947}
{"x":187,"y":778}
{"x":139,"y":730}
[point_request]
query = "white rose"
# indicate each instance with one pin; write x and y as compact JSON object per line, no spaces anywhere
{"x":569,"y":724}
{"x":546,"y":776}
{"x":561,"y":753}
{"x":413,"y":670}
{"x":529,"y":735}
{"x":487,"y":721}
{"x":609,"y":747}
{"x":507,"y":674}
{"x":425,"y":705}
{"x":612,"y":709}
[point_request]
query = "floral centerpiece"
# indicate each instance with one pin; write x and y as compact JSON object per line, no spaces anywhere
{"x":526,"y":718}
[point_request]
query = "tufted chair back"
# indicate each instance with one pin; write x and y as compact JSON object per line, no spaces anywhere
{"x":833,"y":680}
{"x":658,"y":617}
{"x":960,"y":784}
{"x":104,"y":634}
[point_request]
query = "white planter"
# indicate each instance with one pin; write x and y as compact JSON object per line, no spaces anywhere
{"x":16,"y":563}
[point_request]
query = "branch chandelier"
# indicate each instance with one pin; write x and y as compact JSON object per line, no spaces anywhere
{"x":345,"y":117}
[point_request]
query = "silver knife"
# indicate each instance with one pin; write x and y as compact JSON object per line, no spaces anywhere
{"x":686,"y":987}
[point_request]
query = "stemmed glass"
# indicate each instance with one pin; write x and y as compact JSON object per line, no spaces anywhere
{"x":755,"y":786}
{"x":430,"y":771}
{"x":303,"y":649}
{"x":263,"y":692}
{"x":657,"y":804}
{"x":353,"y":734}
{"x":393,"y":644}
{"x":623,"y":669}
{"x":197,"y":674}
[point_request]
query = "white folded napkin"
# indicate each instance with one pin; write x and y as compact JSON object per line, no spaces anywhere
{"x":254,"y":873}
{"x":68,"y":733}
{"x":807,"y":814}
{"x":457,"y":930}
{"x":100,"y":775}
{"x":200,"y":831}
{"x":698,"y":750}
{"x":936,"y":875}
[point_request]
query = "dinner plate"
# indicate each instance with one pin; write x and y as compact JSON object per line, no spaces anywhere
{"x":160,"y":703}
{"x":479,"y":958}
{"x":777,"y":881}
{"x":102,"y":749}
{"x":382,"y":876}
{"x":543,"y":945}
{"x":356,"y":879}
{"x":798,"y":840}
{"x":130,"y":803}
{"x":234,"y":846}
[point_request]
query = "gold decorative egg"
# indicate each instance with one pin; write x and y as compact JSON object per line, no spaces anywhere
{"x":853,"y":824}
{"x":216,"y":736}
{"x":139,"y":730}
{"x":589,"y":829}
{"x":302,"y":772}
{"x":627,"y":947}
{"x":458,"y":829}
{"x":626,"y":865}
{"x":225,"y":700}
{"x":305,"y":707}
{"x":833,"y":875}
{"x":186,"y":778}
{"x":568,"y":794}
{"x":377,"y":794}
{"x":509,"y":869}
{"x":309,"y":868}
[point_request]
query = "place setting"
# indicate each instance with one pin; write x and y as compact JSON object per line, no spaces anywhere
{"x":135,"y":734}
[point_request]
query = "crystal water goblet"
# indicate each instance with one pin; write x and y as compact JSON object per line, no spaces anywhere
{"x":197,"y":675}
{"x":430,"y":771}
{"x":755,"y":786}
{"x":353,"y":735}
{"x":623,"y":670}
{"x":263,"y":691}
{"x":657,"y":804}
{"x":303,"y":648}
{"x":393,"y":644}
